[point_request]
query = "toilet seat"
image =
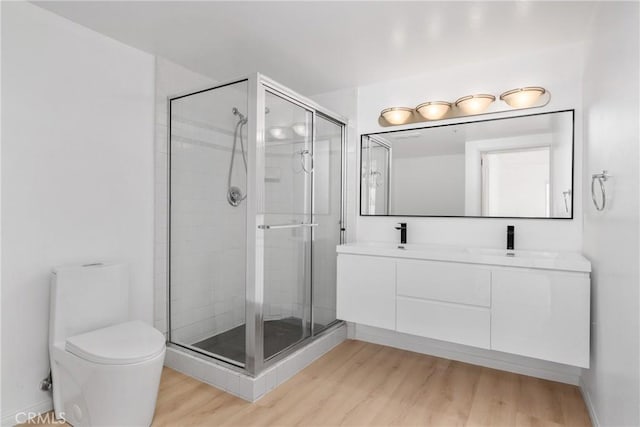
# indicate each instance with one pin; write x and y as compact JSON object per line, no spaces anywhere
{"x":122,"y":344}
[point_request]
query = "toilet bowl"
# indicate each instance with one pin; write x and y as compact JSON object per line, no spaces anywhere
{"x":105,"y":367}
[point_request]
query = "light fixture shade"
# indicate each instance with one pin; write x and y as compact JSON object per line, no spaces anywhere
{"x":475,"y":104}
{"x":277,"y":132}
{"x":523,"y":97}
{"x":434,"y":110}
{"x":300,"y":128}
{"x":397,"y":115}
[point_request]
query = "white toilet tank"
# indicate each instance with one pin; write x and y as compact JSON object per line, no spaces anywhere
{"x":87,"y":297}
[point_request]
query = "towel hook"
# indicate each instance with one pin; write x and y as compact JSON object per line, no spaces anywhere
{"x":601,"y":178}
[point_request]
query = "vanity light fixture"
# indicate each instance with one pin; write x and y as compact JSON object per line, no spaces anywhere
{"x":433,"y":110}
{"x":278,"y":132}
{"x":522,"y":97}
{"x":397,"y":115}
{"x":475,"y":104}
{"x":299,"y":129}
{"x":519,"y":98}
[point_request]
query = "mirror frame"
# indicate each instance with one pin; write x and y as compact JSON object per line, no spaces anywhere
{"x":573,"y":162}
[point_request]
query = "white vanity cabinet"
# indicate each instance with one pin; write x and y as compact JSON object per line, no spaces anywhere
{"x":445,"y":301}
{"x":366,"y":290}
{"x":534,"y":304}
{"x":541,"y":314}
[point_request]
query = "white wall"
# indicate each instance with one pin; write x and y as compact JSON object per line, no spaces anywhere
{"x":612,"y":385}
{"x":77,"y":177}
{"x":432,"y":184}
{"x":558,"y":70}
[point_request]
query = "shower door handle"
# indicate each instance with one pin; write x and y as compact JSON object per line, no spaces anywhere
{"x":278,"y":226}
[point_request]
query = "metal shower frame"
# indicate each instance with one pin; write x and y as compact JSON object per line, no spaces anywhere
{"x":258,"y":86}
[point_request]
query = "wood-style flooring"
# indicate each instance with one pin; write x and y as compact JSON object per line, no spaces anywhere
{"x":363,"y":384}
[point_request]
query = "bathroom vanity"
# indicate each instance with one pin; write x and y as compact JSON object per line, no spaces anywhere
{"x":534,"y":304}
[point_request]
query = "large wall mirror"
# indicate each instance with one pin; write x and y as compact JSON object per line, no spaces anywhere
{"x":515,"y":167}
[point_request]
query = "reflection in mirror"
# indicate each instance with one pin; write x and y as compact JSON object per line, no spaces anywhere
{"x":516,"y":167}
{"x":376,"y":157}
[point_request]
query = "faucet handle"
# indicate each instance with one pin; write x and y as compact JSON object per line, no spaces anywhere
{"x":403,"y":225}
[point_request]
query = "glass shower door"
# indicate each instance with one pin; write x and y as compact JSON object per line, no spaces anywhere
{"x":287,"y":228}
{"x":207,"y":217}
{"x":327,"y":213}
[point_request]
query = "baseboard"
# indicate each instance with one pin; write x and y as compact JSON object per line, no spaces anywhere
{"x":589,"y":403}
{"x":31,"y":411}
{"x":462,"y":353}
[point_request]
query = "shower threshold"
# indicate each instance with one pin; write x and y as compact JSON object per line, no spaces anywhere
{"x":278,"y":335}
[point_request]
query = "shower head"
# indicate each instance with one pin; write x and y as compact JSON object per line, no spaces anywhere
{"x":236,"y":112}
{"x":243,"y":118}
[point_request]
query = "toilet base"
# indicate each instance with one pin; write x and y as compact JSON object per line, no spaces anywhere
{"x":92,"y":394}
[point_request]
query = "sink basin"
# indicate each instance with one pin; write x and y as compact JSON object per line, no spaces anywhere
{"x":569,"y":261}
{"x":516,"y":253}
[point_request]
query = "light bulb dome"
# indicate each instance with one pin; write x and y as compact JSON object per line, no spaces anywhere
{"x":277,"y":132}
{"x":397,"y":115}
{"x":523,"y":97}
{"x":433,"y":110}
{"x":475,"y":104}
{"x":300,"y":129}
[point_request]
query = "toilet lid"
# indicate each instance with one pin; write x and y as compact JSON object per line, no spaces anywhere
{"x":120,"y":344}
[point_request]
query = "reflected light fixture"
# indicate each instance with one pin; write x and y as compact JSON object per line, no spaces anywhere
{"x":475,"y":104}
{"x":523,"y":97}
{"x":277,"y":132}
{"x":300,"y":129}
{"x":397,"y":115}
{"x":433,"y":110}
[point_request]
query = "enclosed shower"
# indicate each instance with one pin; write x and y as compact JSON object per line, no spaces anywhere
{"x":255,"y":213}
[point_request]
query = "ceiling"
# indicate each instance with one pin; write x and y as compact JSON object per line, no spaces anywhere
{"x":316,"y":47}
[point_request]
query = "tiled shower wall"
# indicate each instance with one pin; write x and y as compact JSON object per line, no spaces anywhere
{"x":171,"y":79}
{"x":284,"y":249}
{"x":208,"y":235}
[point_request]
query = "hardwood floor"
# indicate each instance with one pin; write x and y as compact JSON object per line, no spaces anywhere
{"x":363,"y":384}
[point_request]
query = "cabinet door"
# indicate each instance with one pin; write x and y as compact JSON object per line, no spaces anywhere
{"x":367,"y":290}
{"x":541,"y":314}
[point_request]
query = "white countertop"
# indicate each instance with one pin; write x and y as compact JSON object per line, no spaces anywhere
{"x":567,"y":261}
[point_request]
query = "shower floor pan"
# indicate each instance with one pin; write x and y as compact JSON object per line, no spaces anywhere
{"x":278,"y":335}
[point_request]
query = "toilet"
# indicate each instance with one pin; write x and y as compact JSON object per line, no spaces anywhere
{"x":105,"y":367}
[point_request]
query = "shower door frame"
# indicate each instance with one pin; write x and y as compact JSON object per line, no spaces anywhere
{"x":258,"y":85}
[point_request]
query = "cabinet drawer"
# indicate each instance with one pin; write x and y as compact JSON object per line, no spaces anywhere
{"x":461,"y":324}
{"x":443,"y":281}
